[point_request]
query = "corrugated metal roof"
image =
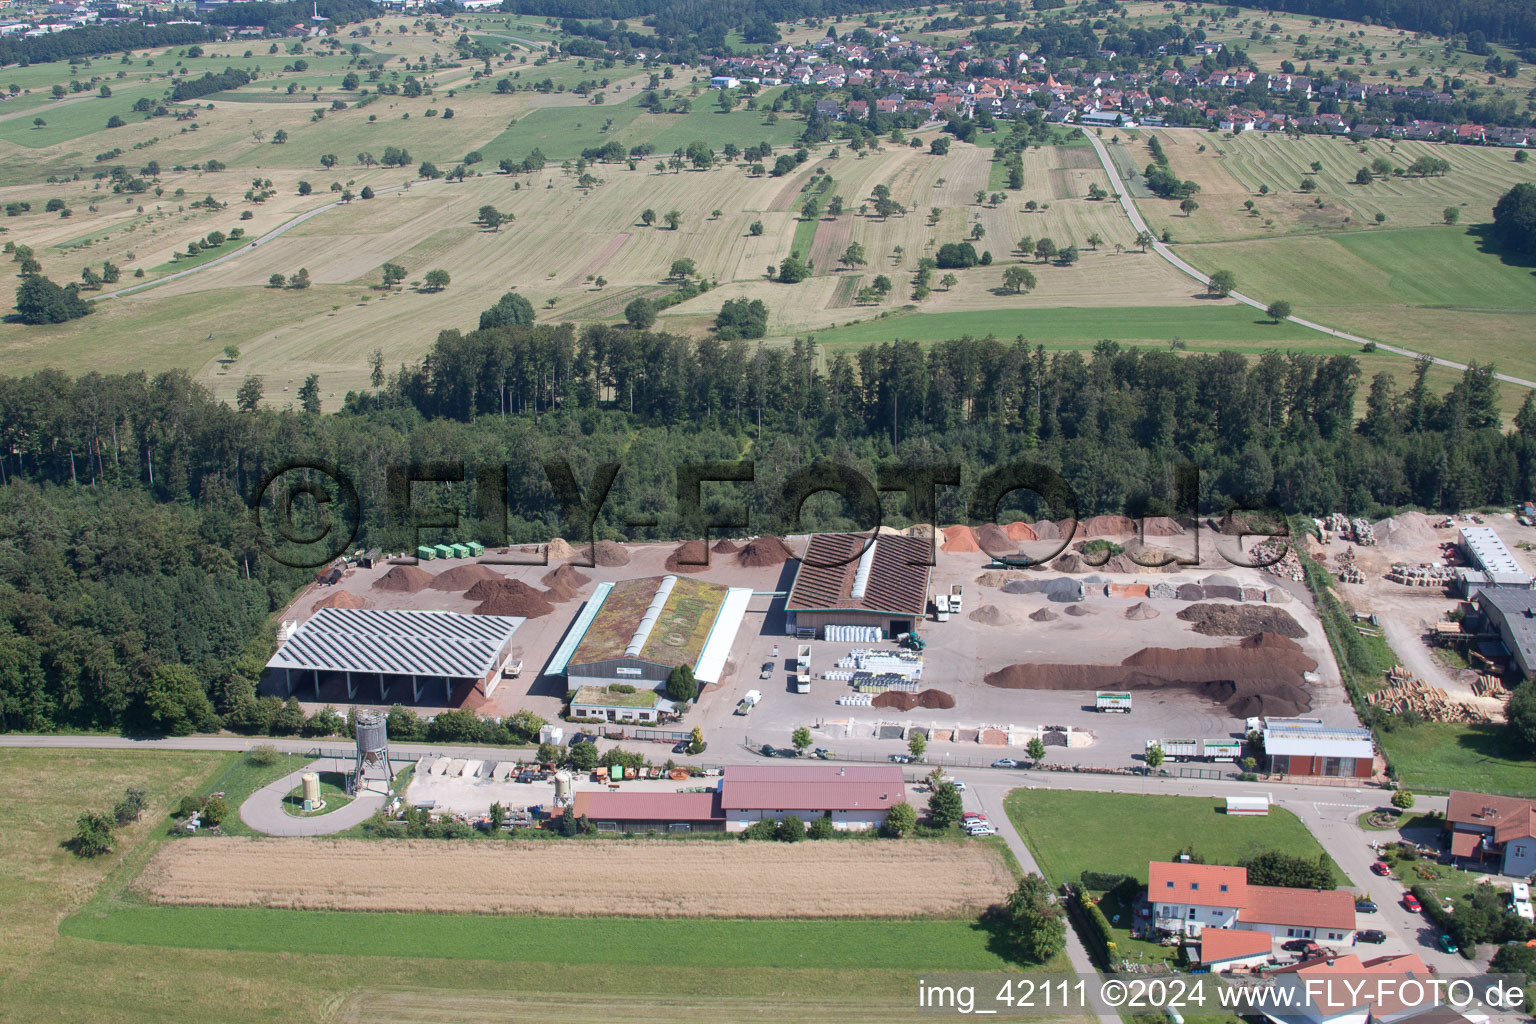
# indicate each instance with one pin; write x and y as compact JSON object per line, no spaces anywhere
{"x":420,"y":643}
{"x":1493,"y":557}
{"x":896,"y":583}
{"x":1313,"y":739}
{"x":637,"y":806}
{"x":812,"y":788}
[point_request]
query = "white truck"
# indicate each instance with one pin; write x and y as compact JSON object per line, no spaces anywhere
{"x":803,"y":669}
{"x":749,"y":701}
{"x":955,"y":599}
{"x":941,"y":606}
{"x":1112,"y":703}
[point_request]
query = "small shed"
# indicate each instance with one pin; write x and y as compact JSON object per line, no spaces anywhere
{"x":1247,"y":805}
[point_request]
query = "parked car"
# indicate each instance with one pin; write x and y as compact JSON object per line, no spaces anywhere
{"x":1365,"y":907}
{"x":766,"y":671}
{"x":681,"y":747}
{"x":981,"y":829}
{"x":902,"y":758}
{"x":970,"y":816}
{"x":822,"y":752}
{"x":1448,"y":944}
{"x":1005,"y":762}
{"x":1412,"y":903}
{"x":1372,"y":935}
{"x":1381,"y":868}
{"x":1297,"y":945}
{"x":959,"y":786}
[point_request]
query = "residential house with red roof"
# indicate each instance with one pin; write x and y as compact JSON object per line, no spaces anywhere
{"x":1496,"y":832}
{"x":1190,"y":898}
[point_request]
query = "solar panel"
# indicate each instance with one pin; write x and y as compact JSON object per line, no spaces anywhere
{"x":420,"y":643}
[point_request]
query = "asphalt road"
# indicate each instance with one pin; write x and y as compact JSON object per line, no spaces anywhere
{"x":1117,"y":185}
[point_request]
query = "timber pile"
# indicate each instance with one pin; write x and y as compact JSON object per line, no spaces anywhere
{"x":1404,"y":693}
{"x":1488,"y":686}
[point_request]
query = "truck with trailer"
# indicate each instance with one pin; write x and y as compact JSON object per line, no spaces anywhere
{"x":1198,"y":750}
{"x":803,"y":669}
{"x":1112,"y":703}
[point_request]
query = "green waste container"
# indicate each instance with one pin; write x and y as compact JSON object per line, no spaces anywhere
{"x":616,"y":772}
{"x":443,"y":551}
{"x":426,"y":554}
{"x":460,"y":550}
{"x":475,"y":548}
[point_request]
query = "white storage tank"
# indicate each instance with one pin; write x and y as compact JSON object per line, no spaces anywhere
{"x":311,"y":782}
{"x":564,"y":788}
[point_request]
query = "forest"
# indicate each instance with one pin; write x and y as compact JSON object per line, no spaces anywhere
{"x":132,"y":555}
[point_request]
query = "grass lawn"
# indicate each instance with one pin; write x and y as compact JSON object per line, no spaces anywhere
{"x":1237,"y":327}
{"x":242,"y":778}
{"x":1070,"y":832}
{"x":1440,"y":756}
{"x":943,"y":944}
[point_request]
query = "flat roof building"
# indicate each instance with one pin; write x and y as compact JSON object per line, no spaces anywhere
{"x":849,"y":579}
{"x":1488,"y":553}
{"x":389,"y":648}
{"x":637,"y":631}
{"x":1300,"y":746}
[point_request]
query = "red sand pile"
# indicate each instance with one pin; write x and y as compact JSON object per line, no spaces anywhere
{"x":1241,"y":620}
{"x":725,"y":546}
{"x":1262,"y":675}
{"x":564,"y":583}
{"x":1021,"y":531}
{"x":689,"y":556}
{"x":1107,"y":526}
{"x":509,"y":597}
{"x":903,"y":701}
{"x":761,"y":552}
{"x":1160,"y":526}
{"x":959,"y":539}
{"x":341,"y":599}
{"x":403,"y":579}
{"x":462,"y":577}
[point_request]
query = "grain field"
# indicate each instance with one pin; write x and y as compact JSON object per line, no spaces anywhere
{"x":653,"y":879}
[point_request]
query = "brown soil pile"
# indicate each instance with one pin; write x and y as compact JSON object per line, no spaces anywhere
{"x":564,"y":583}
{"x":1081,"y":611}
{"x":1047,"y":530}
{"x":689,"y":556}
{"x":1141,"y":610}
{"x":403,"y":579}
{"x":341,"y":599}
{"x":610,"y":554}
{"x":1160,"y":526}
{"x":991,"y":537}
{"x":960,"y":539}
{"x":762,"y":552}
{"x":509,"y":597}
{"x":725,"y":546}
{"x":1260,"y":676}
{"x":1045,"y":615}
{"x":462,"y":577}
{"x":1241,"y":620}
{"x":558,"y":548}
{"x":902,"y":701}
{"x":1021,"y":531}
{"x":991,"y":615}
{"x":1069,"y":562}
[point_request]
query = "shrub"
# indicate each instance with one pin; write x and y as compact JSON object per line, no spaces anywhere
{"x":215,"y":811}
{"x":1101,"y":881}
{"x":263,"y":755}
{"x":93,"y":835}
{"x":900,"y":819}
{"x":188,"y":806}
{"x":129,"y":807}
{"x":790,"y":830}
{"x":822,"y":828}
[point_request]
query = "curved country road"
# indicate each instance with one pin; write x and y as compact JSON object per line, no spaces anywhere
{"x":1117,"y":185}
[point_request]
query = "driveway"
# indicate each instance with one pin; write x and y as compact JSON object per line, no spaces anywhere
{"x":263,"y":809}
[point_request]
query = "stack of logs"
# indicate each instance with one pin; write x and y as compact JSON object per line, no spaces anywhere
{"x":1404,"y":693}
{"x":1489,"y":686}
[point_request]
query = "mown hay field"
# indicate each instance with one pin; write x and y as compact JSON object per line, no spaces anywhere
{"x":652,"y":879}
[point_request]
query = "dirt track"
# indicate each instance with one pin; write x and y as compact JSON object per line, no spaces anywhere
{"x":651,"y":878}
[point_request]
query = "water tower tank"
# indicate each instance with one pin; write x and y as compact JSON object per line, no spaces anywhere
{"x":563,"y":788}
{"x":311,"y":787}
{"x":371,"y":738}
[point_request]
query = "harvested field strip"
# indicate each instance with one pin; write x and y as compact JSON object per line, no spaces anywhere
{"x":831,"y":241}
{"x":919,"y":944}
{"x":597,"y":262}
{"x":847,"y":287}
{"x":864,"y":879}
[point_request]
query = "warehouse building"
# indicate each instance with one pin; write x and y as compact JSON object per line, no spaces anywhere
{"x":397,"y":652}
{"x":1490,"y":563}
{"x":846,"y":579}
{"x":651,"y":812}
{"x":1305,"y":746}
{"x":1512,"y":612}
{"x":855,"y":797}
{"x":637,"y":631}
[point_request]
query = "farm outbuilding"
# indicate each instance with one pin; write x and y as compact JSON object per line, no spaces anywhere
{"x":629,"y":811}
{"x":848,"y":579}
{"x":855,"y":797}
{"x":637,"y":631}
{"x":394,"y":649}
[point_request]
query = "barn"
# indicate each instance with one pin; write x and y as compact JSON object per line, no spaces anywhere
{"x":402,"y":653}
{"x":637,"y":631}
{"x":845,"y":579}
